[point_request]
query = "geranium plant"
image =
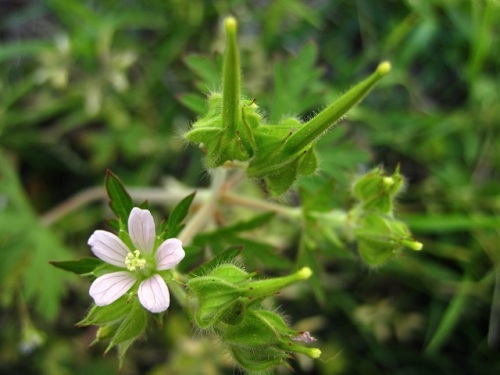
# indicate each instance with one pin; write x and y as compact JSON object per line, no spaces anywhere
{"x":135,"y":272}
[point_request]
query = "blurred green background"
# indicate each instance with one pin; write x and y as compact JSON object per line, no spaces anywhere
{"x":90,"y":85}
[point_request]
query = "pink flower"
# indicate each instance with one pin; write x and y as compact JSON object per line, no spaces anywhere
{"x":140,"y":265}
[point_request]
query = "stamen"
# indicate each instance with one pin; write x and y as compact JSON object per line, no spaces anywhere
{"x":134,"y":260}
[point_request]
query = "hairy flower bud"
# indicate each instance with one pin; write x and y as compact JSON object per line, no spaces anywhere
{"x":376,"y":190}
{"x":218,"y":295}
{"x":263,"y":340}
{"x":225,"y":293}
{"x":381,"y":237}
{"x":228,"y":302}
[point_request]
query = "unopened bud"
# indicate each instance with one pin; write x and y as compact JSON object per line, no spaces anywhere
{"x":380,"y":237}
{"x":376,"y":191}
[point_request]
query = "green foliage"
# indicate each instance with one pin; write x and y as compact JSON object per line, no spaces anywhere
{"x":27,"y":246}
{"x":255,"y":251}
{"x":119,"y":200}
{"x":80,"y":267}
{"x":177,"y":216}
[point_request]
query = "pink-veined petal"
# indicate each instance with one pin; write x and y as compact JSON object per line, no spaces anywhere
{"x":153,"y":294}
{"x":106,"y":289}
{"x":141,"y":227}
{"x":169,"y":254}
{"x":108,"y":247}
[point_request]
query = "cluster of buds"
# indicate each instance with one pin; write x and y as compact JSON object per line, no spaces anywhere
{"x":227,"y":301}
{"x":233,"y":129}
{"x":378,"y":234}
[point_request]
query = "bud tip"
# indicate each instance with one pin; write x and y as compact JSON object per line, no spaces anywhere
{"x":388,"y":181}
{"x":417,"y":246}
{"x":414,"y":245}
{"x":230,"y":23}
{"x":315,"y":353}
{"x":304,"y":273}
{"x":384,"y":68}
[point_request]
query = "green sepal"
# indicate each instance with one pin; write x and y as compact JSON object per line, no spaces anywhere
{"x":122,"y":350}
{"x":258,"y":360}
{"x":270,"y":158}
{"x":281,"y":180}
{"x":218,"y":295}
{"x":380,"y":237}
{"x":80,"y":266}
{"x":257,"y":328}
{"x":309,"y":162}
{"x":279,"y":168}
{"x":221,"y":142}
{"x":105,"y":332}
{"x":234,"y":313}
{"x":120,"y":201}
{"x":102,"y":315}
{"x":276,"y":321}
{"x":376,"y":190}
{"x":132,"y":326}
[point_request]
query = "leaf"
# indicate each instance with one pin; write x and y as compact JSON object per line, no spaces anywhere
{"x":297,"y":84}
{"x":450,"y":319}
{"x":264,"y":253}
{"x":451,"y":223}
{"x":194,"y":102}
{"x":25,"y":48}
{"x":120,"y":201}
{"x":178,"y":215}
{"x":80,"y":266}
{"x":207,"y":69}
{"x":241,"y":226}
{"x":192,"y":258}
{"x":225,"y":257}
{"x":317,"y":193}
{"x":28,"y":247}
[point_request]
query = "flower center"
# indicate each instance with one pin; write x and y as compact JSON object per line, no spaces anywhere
{"x":134,"y":261}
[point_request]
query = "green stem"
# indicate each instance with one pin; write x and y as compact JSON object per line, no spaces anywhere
{"x":231,"y":78}
{"x":293,"y":213}
{"x":178,"y":291}
{"x":197,"y":222}
{"x":205,"y":214}
{"x":320,"y":123}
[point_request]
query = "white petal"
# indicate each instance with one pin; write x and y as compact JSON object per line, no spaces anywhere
{"x":169,"y":254}
{"x":108,"y":288}
{"x":141,"y":227}
{"x":108,"y":247}
{"x":153,"y":294}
